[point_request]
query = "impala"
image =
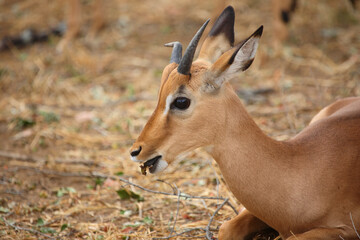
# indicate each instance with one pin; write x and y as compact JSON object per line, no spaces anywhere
{"x":307,"y":187}
{"x":282,"y":14}
{"x":74,"y":21}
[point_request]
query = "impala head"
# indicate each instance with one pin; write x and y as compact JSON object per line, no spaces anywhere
{"x":190,"y":111}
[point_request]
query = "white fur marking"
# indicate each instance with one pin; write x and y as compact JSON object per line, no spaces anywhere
{"x":168,"y":102}
{"x":161,"y":165}
{"x":134,"y":159}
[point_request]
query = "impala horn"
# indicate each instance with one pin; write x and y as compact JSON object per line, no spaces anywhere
{"x":176,"y":53}
{"x":186,"y":61}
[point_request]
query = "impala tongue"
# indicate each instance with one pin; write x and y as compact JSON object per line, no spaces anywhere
{"x":152,"y":163}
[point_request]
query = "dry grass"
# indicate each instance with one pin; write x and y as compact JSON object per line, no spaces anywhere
{"x":78,"y":112}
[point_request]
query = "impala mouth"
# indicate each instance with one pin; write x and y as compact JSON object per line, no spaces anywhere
{"x":152,"y":164}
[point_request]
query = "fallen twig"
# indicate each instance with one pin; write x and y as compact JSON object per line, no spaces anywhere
{"x":207,"y":229}
{"x":181,"y":233}
{"x":173,"y":188}
{"x":352,"y":221}
{"x":35,"y":159}
{"x":17,"y":228}
{"x":179,"y":194}
{"x":177,"y":211}
{"x":232,"y":207}
{"x":11,"y":191}
{"x":101,"y":175}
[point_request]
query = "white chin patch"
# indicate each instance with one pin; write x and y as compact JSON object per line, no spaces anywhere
{"x":160,"y":166}
{"x":134,"y":159}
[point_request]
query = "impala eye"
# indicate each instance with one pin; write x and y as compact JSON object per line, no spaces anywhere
{"x":181,"y":103}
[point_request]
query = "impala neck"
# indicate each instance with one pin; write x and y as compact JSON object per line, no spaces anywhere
{"x":251,"y":162}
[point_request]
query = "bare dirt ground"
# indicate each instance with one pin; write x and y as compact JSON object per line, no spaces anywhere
{"x":67,"y":120}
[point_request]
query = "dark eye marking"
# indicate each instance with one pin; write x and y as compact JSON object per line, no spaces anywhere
{"x":181,"y":89}
{"x":180,"y":103}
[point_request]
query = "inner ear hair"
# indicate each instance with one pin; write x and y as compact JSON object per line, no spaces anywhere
{"x":237,"y":59}
{"x":246,"y":64}
{"x":244,"y":54}
{"x":214,"y":78}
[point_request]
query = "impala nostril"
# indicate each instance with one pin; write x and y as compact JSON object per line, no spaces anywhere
{"x":136,"y":152}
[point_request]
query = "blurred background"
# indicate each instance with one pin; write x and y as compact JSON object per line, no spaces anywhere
{"x":69,"y":112}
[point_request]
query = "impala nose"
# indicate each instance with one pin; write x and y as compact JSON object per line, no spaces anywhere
{"x":136,"y":152}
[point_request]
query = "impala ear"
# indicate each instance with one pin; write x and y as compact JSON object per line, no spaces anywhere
{"x":237,"y":59}
{"x":221,"y":36}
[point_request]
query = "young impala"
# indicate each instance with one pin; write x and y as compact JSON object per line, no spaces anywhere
{"x":307,"y":187}
{"x":74,"y":21}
